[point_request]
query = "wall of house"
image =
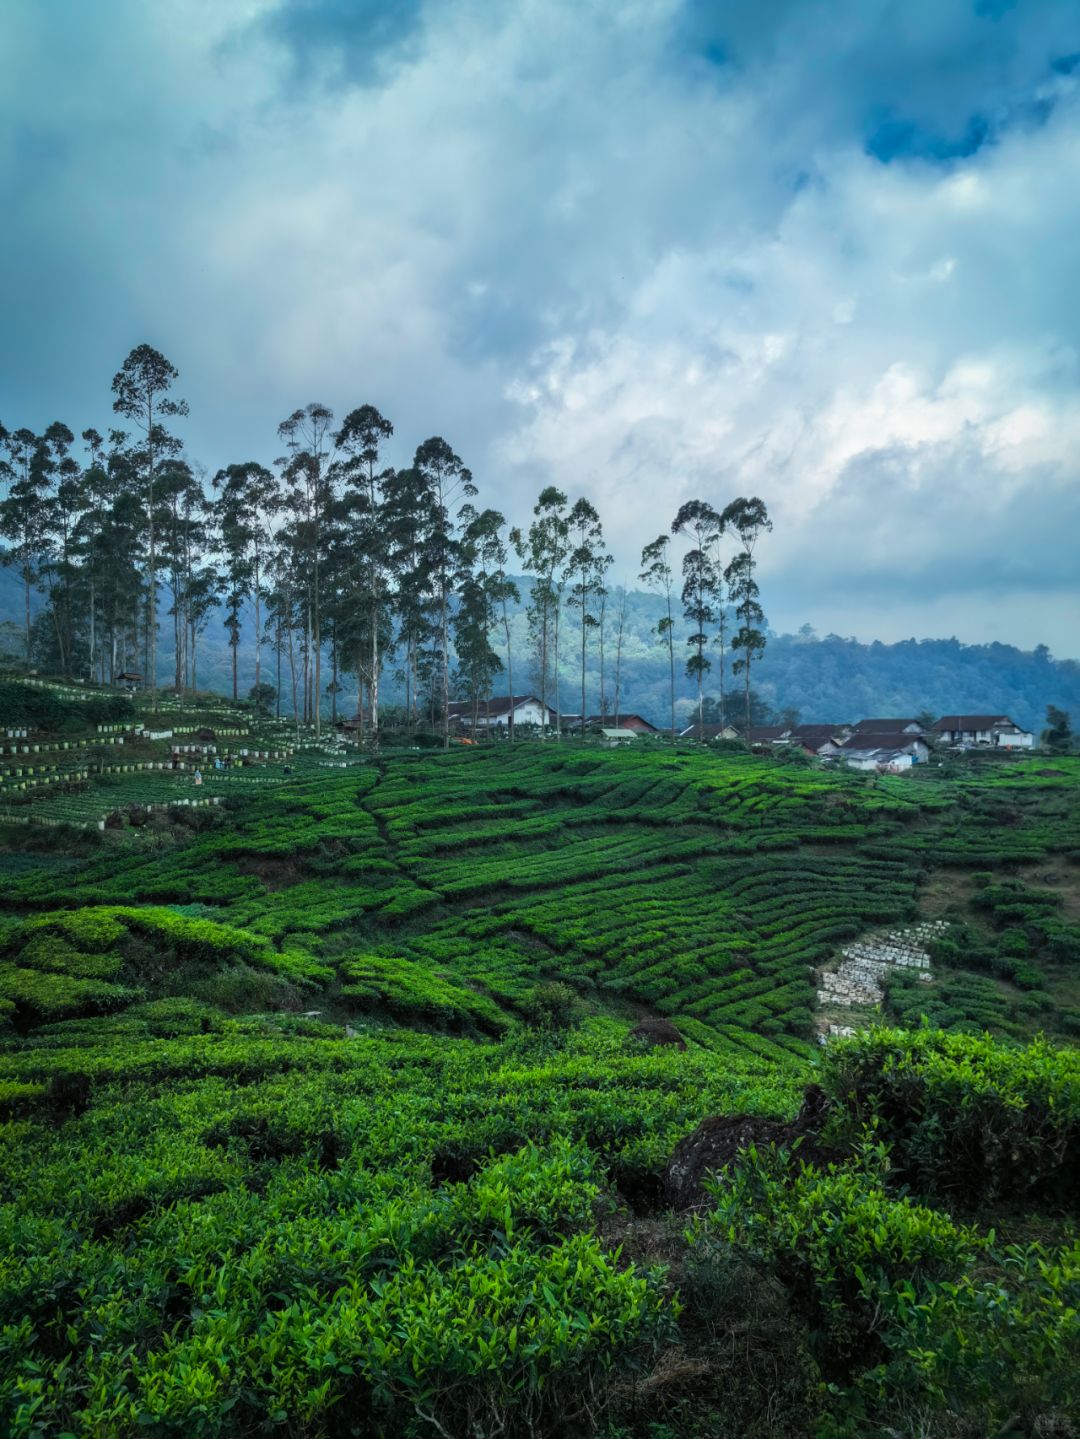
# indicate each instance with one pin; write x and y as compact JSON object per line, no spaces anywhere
{"x":524,"y":714}
{"x":1015,"y":741}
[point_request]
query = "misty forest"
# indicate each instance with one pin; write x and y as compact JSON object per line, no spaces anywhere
{"x":351,"y":587}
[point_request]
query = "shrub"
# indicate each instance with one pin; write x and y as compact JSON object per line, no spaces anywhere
{"x":553,"y":1005}
{"x":969,"y":1120}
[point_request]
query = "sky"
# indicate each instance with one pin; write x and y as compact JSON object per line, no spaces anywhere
{"x":645,"y":250}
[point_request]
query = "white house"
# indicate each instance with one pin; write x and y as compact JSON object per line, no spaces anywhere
{"x":973,"y":731}
{"x":870,"y":751}
{"x":526,"y":710}
{"x":879,"y":759}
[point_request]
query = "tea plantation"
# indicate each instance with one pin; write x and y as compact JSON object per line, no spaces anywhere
{"x":325,"y":1115}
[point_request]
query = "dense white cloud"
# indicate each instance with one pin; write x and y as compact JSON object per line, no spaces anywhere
{"x":824,"y":254}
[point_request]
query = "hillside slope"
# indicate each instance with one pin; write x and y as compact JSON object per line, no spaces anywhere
{"x":355,"y":1107}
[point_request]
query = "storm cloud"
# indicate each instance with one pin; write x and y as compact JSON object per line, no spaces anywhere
{"x":825,"y":253}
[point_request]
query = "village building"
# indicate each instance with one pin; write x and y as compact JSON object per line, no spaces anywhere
{"x":638,"y":723}
{"x":525,"y":709}
{"x":888,"y":726}
{"x":766,"y":734}
{"x":613,"y":737}
{"x":709,"y":732}
{"x":892,"y":751}
{"x":975,"y":731}
{"x":820,"y":739}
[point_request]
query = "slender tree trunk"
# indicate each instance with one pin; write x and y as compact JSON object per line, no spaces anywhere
{"x":671,"y":660}
{"x":292,"y":678}
{"x":317,"y":631}
{"x":544,"y":669}
{"x":558,"y":693}
{"x":603,"y":612}
{"x":748,"y":694}
{"x":509,"y":674}
{"x":583,"y":633}
{"x":27,"y":581}
{"x":307,"y":657}
{"x":258,"y":630}
{"x":445,"y":664}
{"x":723,"y":706}
{"x":373,"y":680}
{"x":93,"y":627}
{"x":333,"y":681}
{"x":618,"y":664}
{"x":277,"y":687}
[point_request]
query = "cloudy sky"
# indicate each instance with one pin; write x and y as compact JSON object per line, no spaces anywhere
{"x":648,"y":250}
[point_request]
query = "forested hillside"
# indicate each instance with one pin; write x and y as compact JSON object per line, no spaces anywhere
{"x":342,"y":582}
{"x":826,"y":678}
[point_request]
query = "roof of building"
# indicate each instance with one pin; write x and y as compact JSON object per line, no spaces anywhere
{"x":708,"y":731}
{"x":619,"y":733}
{"x":817,"y":731}
{"x":765,"y":733}
{"x":884,"y":726}
{"x":869,"y":742}
{"x":949,"y":722}
{"x":500,"y":705}
{"x":624,"y":717}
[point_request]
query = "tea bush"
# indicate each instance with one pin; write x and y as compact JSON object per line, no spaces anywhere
{"x":969,"y":1121}
{"x":323,"y":1119}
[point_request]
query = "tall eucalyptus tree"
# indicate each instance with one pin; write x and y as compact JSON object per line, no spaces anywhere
{"x":248,"y":500}
{"x":485,"y":590}
{"x":370,"y":538}
{"x":749,"y":519}
{"x":701,"y":592}
{"x":585,"y":567}
{"x":307,"y":469}
{"x":543,"y":551}
{"x":447,"y":484}
{"x":23,"y":514}
{"x":141,"y":394}
{"x":657,"y":573}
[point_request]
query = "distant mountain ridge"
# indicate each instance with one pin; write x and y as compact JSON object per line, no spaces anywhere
{"x":826,"y":679}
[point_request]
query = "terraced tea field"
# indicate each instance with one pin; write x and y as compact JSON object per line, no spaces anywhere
{"x":323,"y":1113}
{"x":443,"y":889}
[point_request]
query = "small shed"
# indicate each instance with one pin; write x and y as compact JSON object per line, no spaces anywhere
{"x":613,"y":737}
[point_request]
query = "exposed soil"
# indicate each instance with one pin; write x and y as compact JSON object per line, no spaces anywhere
{"x":719,"y":1141}
{"x":658,"y":1031}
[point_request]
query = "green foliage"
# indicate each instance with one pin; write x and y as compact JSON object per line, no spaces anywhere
{"x":223,"y":1212}
{"x":68,"y":963}
{"x":836,"y":1239}
{"x":915,"y":1320}
{"x":43,"y":709}
{"x":551,"y":1006}
{"x":409,"y":993}
{"x":969,"y":1121}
